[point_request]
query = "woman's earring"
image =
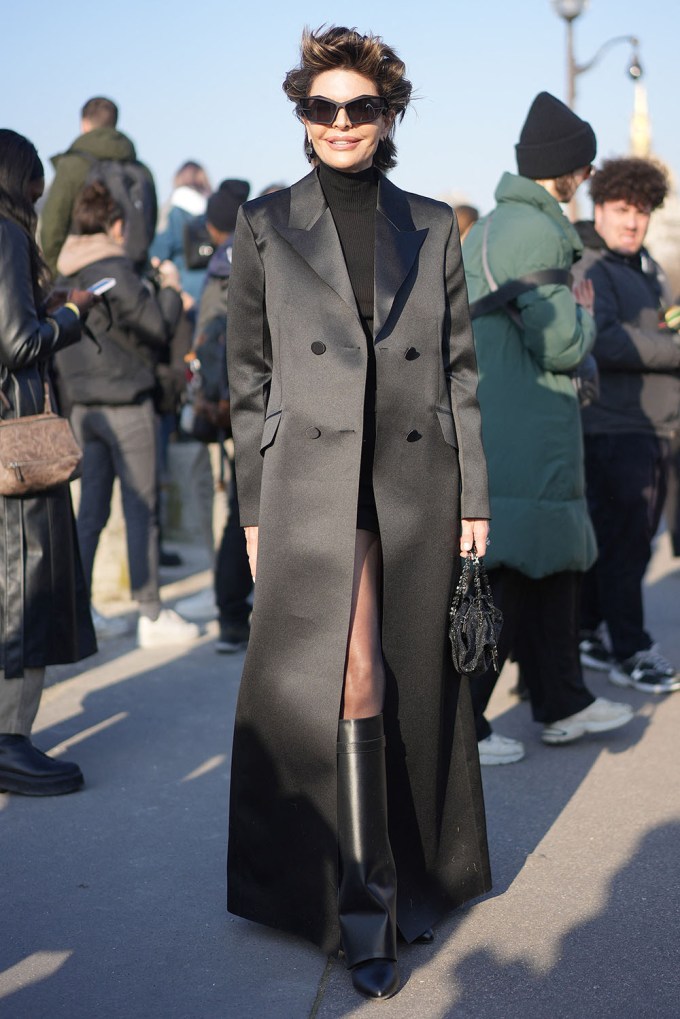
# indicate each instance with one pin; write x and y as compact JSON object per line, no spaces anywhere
{"x":309,"y":148}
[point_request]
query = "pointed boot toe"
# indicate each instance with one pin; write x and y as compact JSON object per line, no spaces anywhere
{"x":426,"y":938}
{"x":376,"y":978}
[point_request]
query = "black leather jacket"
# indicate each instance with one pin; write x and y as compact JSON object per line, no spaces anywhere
{"x":44,"y":611}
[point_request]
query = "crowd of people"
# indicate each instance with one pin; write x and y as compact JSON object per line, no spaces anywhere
{"x":395,"y":398}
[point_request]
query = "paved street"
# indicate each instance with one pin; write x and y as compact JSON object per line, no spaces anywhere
{"x":113,"y":899}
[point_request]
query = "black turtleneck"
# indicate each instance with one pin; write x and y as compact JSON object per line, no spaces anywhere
{"x":352,"y":199}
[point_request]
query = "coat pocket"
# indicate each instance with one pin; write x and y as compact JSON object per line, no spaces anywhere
{"x":447,"y":425}
{"x":271,"y":425}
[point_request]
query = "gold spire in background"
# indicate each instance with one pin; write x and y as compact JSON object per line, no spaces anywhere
{"x":640,"y":124}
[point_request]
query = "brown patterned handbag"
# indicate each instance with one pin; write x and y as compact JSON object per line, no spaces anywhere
{"x":37,"y":452}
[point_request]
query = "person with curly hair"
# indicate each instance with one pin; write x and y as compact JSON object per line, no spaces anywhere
{"x":628,"y":429}
{"x":362,"y":479}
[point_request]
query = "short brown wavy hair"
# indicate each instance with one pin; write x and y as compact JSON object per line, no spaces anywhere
{"x":95,"y":209}
{"x":639,"y":182}
{"x":328,"y":49}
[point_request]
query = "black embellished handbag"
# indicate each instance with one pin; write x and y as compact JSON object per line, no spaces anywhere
{"x":474,"y":621}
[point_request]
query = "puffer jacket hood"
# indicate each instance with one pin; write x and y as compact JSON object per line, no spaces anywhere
{"x":83,"y":249}
{"x":102,"y":143}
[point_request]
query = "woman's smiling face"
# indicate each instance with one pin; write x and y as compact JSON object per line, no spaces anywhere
{"x":343,"y":145}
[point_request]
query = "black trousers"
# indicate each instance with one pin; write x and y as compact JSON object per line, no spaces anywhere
{"x":626,"y":478}
{"x":233,"y":580}
{"x":541,"y":631}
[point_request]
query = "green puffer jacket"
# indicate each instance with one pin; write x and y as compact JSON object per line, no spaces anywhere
{"x":530,"y":413}
{"x":70,"y":173}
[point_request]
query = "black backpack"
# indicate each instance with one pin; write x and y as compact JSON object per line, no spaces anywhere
{"x":132,"y":188}
{"x":206,"y":414}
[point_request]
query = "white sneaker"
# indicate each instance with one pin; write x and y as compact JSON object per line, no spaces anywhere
{"x":107,"y":626}
{"x":600,"y":716}
{"x":169,"y":628}
{"x":199,"y":606}
{"x":497,"y":749}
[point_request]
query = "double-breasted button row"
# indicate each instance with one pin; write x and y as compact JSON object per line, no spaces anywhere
{"x":318,"y":347}
{"x":314,"y":433}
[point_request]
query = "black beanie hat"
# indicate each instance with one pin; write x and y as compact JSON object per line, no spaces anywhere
{"x":554,"y":141}
{"x":225,"y":203}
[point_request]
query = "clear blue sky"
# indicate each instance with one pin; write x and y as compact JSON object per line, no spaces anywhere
{"x":203,"y":80}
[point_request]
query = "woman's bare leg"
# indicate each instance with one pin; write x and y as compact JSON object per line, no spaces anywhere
{"x":364,"y":689}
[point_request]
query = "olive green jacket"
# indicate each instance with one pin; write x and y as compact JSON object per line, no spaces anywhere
{"x":71,"y":171}
{"x":530,"y":413}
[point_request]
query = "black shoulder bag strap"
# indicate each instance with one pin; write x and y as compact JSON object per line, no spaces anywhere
{"x":501,"y":297}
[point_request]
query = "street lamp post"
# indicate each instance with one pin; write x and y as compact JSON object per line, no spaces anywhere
{"x":569,"y":11}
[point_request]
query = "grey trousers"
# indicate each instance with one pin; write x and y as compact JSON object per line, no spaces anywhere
{"x":120,"y":442}
{"x":19,"y":702}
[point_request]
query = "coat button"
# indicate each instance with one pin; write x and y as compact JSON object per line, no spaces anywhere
{"x":413,"y":436}
{"x":318,"y":347}
{"x":312,"y":433}
{"x":411,"y":354}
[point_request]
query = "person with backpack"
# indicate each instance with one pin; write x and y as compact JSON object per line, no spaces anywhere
{"x":186,"y":205}
{"x":109,"y":384}
{"x":101,"y":152}
{"x":543,"y":540}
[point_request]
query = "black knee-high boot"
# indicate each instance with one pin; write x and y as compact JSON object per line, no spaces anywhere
{"x":367,"y":896}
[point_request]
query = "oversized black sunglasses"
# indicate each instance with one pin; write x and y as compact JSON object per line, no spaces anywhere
{"x":362,"y":110}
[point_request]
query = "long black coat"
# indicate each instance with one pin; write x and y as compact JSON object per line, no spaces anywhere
{"x":44,"y":609}
{"x":297,"y":367}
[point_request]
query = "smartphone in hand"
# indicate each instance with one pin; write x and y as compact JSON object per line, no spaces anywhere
{"x":102,"y":286}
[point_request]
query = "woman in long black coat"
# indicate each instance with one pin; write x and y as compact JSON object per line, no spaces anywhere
{"x":358,"y":453}
{"x":44,"y":610}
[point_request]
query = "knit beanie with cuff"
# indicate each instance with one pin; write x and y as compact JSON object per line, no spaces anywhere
{"x":553,"y":141}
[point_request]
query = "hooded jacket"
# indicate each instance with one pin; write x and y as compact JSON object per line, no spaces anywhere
{"x":186,"y":205}
{"x":142,"y":322}
{"x":530,"y":413}
{"x":638,"y":359}
{"x":71,"y":169}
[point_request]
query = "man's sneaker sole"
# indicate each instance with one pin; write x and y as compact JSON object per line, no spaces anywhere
{"x":227,"y":647}
{"x":597,"y":664}
{"x":556,"y":737}
{"x":620,"y":678}
{"x":487,"y":761}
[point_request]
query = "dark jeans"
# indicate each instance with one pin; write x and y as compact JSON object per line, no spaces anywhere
{"x":673,"y":496}
{"x":233,"y":580}
{"x":626,"y":486}
{"x":120,"y":442}
{"x":541,"y":631}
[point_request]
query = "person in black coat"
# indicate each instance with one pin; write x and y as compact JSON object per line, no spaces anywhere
{"x":109,"y":385}
{"x":44,"y":618}
{"x":361,"y":479}
{"x":629,"y":428}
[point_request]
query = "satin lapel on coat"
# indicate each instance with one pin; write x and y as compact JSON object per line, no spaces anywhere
{"x":397,"y":244}
{"x":312,"y":233}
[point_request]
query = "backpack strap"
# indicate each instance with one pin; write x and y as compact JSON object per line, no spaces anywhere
{"x":501,"y":297}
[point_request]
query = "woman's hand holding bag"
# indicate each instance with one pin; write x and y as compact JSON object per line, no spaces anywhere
{"x":474,"y":621}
